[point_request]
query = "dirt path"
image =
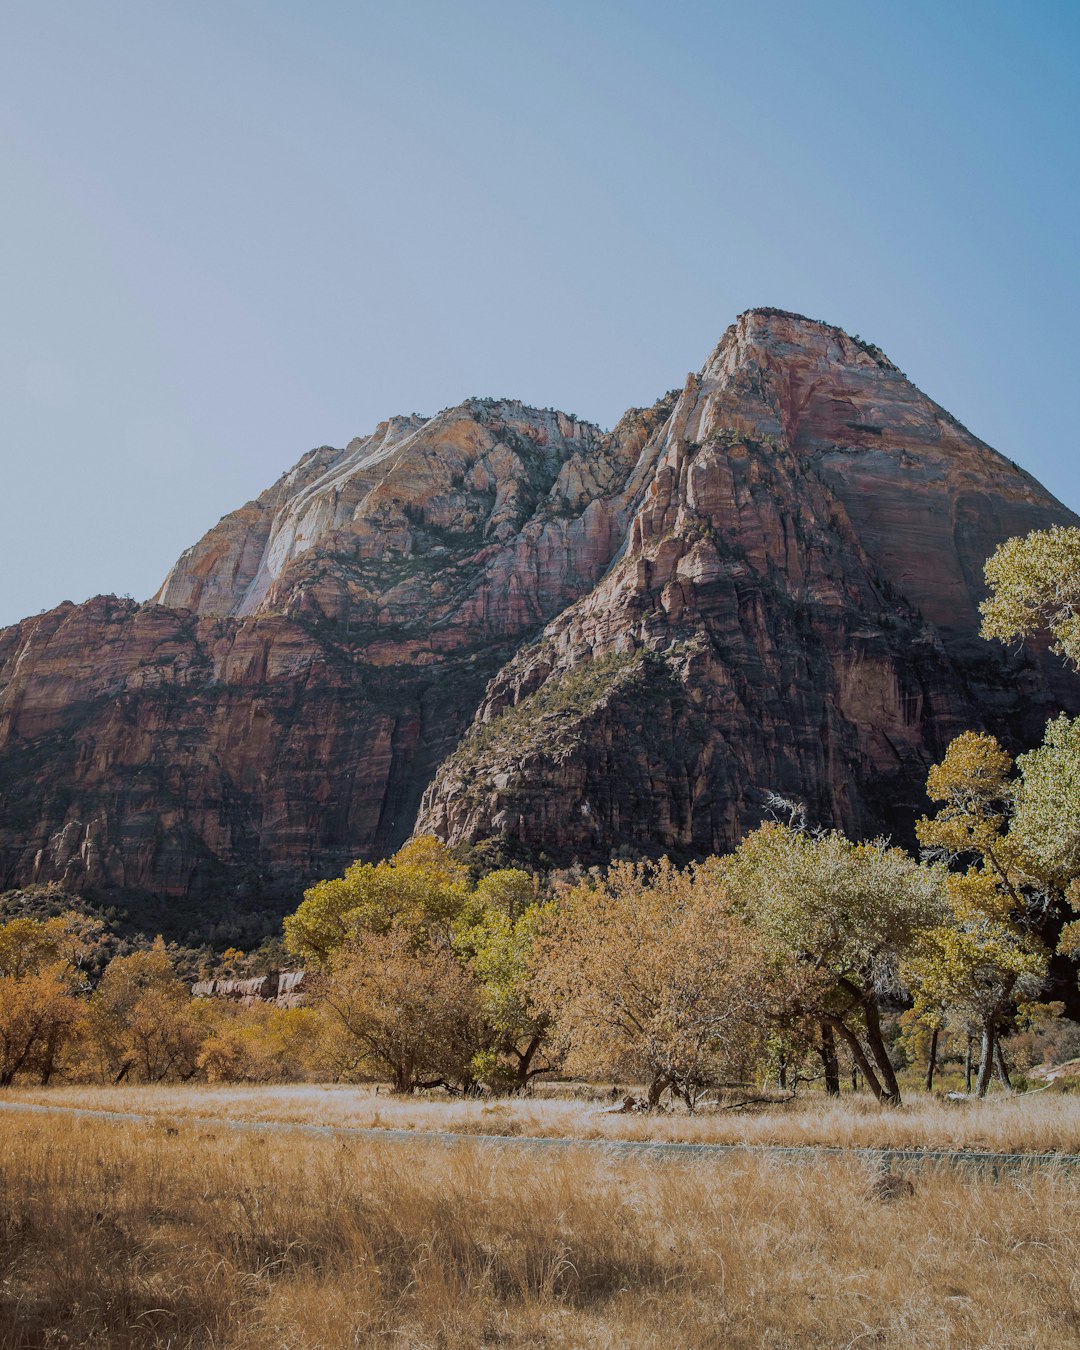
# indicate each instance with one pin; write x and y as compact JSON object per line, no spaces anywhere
{"x":994,"y":1163}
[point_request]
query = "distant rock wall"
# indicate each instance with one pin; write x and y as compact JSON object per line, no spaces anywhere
{"x":312,"y":661}
{"x":283,"y":988}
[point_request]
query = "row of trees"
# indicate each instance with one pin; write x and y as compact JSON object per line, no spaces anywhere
{"x":62,"y":1016}
{"x":796,"y":945}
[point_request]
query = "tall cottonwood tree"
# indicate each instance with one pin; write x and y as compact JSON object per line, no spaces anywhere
{"x":1046,"y":804}
{"x":1035,"y":588}
{"x":498,"y":947}
{"x":422,"y":889}
{"x":986,"y":954}
{"x":835,"y":918}
{"x":422,"y":975}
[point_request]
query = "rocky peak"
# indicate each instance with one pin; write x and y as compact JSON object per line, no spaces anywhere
{"x":804,"y":556}
{"x":927,"y":499}
{"x":415,"y":487}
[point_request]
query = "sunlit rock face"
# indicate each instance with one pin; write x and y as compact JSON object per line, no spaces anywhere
{"x":766,"y":581}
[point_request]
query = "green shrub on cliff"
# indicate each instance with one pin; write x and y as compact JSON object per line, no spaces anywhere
{"x":562,"y":700}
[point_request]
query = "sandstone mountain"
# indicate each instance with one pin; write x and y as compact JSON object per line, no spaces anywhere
{"x":575,"y":641}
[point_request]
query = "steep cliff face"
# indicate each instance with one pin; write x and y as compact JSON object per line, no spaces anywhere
{"x":795,"y":610}
{"x":766,"y":581}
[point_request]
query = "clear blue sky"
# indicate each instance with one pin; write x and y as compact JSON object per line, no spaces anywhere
{"x":234,"y":230}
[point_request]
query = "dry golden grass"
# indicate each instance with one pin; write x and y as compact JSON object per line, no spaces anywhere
{"x":1035,"y":1122}
{"x":181,"y":1235}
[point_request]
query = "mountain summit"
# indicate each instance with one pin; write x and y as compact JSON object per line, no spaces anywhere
{"x":570,"y":640}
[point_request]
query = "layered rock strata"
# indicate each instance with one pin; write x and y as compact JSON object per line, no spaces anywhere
{"x":280,"y":705}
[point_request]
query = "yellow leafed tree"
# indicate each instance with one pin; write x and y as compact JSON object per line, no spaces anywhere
{"x":648,"y":975}
{"x":39,"y":978}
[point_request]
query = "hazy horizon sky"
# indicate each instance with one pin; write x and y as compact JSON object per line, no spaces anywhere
{"x":236,"y":230}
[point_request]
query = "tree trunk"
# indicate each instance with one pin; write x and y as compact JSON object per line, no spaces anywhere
{"x":657,"y":1089}
{"x":524,"y":1060}
{"x":829,"y":1061}
{"x":1001,"y":1068}
{"x":967,"y":1066}
{"x":49,"y":1055}
{"x":880,"y":1053}
{"x":686,"y":1094}
{"x":858,"y":1054}
{"x":931,"y":1063}
{"x":986,"y":1061}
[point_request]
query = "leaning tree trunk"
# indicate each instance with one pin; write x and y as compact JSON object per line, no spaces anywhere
{"x":858,"y":1054}
{"x":1001,"y":1068}
{"x":657,"y":1088}
{"x":524,"y":1061}
{"x":931,"y":1064}
{"x":881,"y":1055}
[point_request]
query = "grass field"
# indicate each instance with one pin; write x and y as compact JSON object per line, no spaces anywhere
{"x":183,"y":1235}
{"x":1031,"y":1122}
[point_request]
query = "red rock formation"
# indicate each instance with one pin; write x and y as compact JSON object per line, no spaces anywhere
{"x":795,"y":611}
{"x":777,"y":569}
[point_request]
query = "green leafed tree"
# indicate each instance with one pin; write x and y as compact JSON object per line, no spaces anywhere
{"x":979,"y":968}
{"x":1046,"y":810}
{"x":986,"y":954}
{"x":1035,"y":588}
{"x":498,"y":946}
{"x":415,"y":919}
{"x":837,"y":917}
{"x":422,"y":889}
